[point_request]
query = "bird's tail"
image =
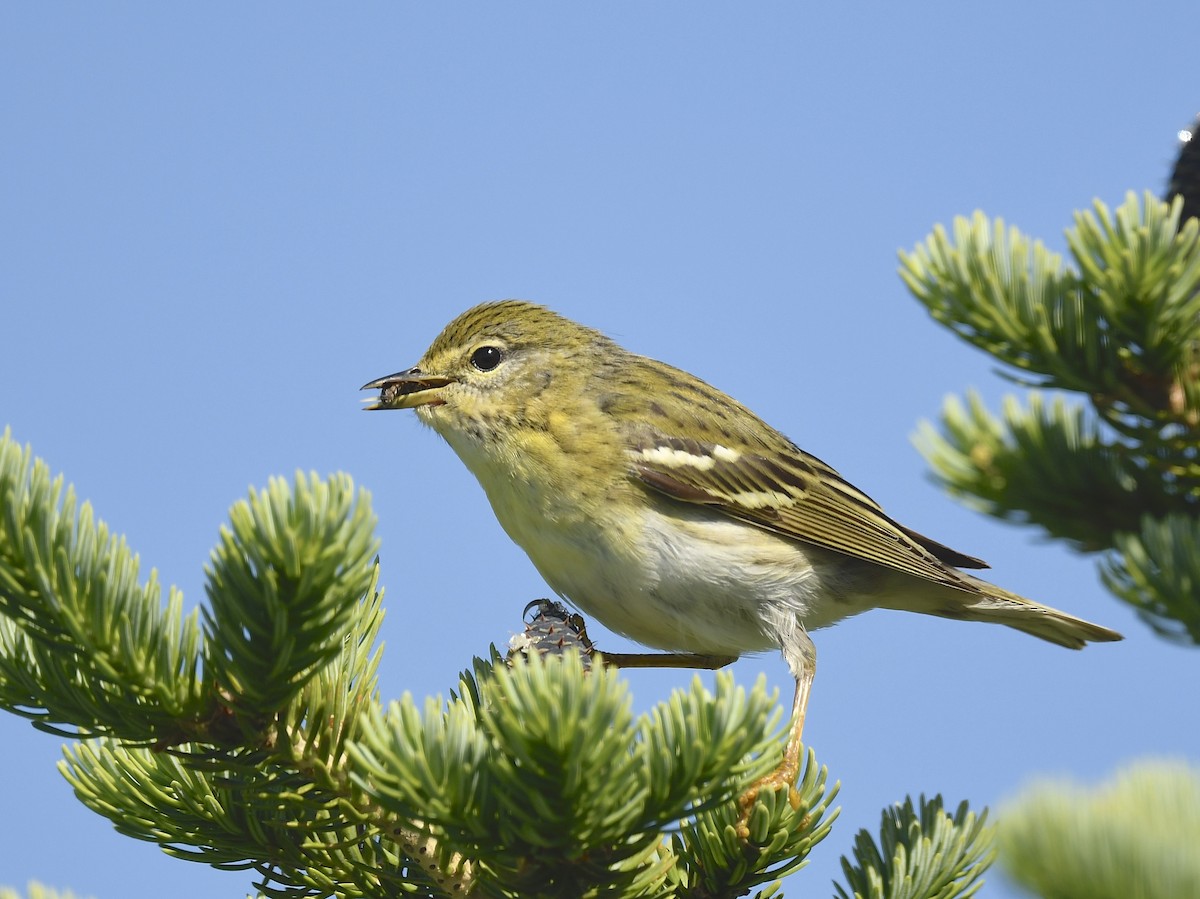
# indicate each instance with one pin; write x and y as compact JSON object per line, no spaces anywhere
{"x":995,"y":604}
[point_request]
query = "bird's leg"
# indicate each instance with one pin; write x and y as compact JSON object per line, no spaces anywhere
{"x":801,"y":657}
{"x":664,"y":660}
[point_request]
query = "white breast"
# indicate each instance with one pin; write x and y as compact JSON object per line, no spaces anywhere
{"x":691,"y":582}
{"x":676,"y":577}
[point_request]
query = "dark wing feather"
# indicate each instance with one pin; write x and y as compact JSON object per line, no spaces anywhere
{"x":795,"y":495}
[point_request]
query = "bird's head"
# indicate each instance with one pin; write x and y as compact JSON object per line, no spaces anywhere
{"x":490,"y":365}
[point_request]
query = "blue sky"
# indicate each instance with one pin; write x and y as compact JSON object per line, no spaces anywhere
{"x":219,"y":221}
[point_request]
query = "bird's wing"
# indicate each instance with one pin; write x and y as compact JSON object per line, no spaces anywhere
{"x":793,"y":494}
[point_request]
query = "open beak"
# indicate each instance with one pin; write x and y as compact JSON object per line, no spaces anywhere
{"x":406,"y":389}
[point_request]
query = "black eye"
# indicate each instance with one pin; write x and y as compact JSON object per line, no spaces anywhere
{"x":486,"y":358}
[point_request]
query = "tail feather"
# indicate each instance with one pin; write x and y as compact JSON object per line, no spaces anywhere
{"x":997,"y":605}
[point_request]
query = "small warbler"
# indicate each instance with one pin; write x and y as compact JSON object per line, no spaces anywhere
{"x":672,"y":513}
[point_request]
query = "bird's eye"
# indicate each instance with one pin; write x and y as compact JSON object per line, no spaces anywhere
{"x":486,"y":358}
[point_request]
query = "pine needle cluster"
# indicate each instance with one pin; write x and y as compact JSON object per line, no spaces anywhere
{"x":1119,"y":325}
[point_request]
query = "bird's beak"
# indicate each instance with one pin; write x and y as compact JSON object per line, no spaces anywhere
{"x":406,"y":389}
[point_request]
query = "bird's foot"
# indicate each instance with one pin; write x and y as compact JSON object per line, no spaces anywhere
{"x":784,"y":776}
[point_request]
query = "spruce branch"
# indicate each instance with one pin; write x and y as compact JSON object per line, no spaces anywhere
{"x":1121,"y":327}
{"x":924,"y":853}
{"x":1135,"y":835}
{"x":1011,"y":297}
{"x":1043,"y":463}
{"x":84,"y":644}
{"x":283,"y":587}
{"x":716,"y":862}
{"x":1157,"y":571}
{"x":552,"y":788}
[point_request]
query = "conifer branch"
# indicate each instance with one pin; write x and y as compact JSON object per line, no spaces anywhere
{"x":1121,"y":328}
{"x":1135,"y":835}
{"x":924,"y":853}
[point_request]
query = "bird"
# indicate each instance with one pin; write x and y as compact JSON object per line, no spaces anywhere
{"x":657,"y":504}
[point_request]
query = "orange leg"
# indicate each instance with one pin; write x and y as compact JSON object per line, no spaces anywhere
{"x":802,"y":655}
